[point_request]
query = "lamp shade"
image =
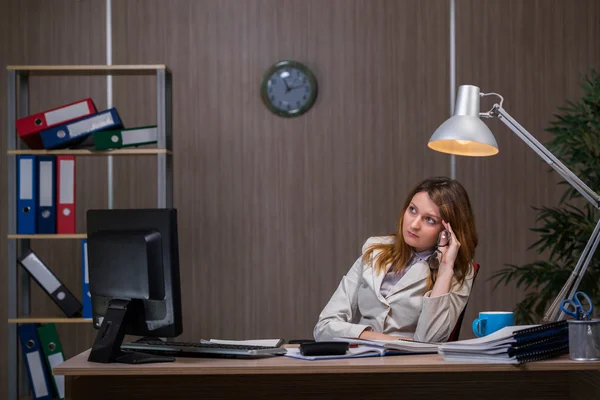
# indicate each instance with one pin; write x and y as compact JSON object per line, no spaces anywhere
{"x":465,"y":134}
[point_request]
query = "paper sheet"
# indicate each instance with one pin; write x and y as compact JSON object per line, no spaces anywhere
{"x":253,"y":342}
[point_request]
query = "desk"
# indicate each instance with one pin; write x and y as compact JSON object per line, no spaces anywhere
{"x":398,"y":377}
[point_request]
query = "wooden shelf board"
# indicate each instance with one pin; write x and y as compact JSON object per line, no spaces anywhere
{"x":48,"y":236}
{"x":88,"y":69}
{"x":84,"y":152}
{"x":44,"y":320}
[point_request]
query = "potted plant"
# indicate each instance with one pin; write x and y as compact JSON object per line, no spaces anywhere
{"x":564,"y":230}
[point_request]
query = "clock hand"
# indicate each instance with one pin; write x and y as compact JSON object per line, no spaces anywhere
{"x":294,"y":83}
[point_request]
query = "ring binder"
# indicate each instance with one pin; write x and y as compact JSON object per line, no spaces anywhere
{"x":542,"y":354}
{"x":57,"y":291}
{"x":541,"y":331}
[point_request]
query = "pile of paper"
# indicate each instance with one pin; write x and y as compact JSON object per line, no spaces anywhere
{"x":511,"y":345}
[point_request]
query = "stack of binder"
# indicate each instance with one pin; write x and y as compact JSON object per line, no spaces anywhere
{"x":46,"y":184}
{"x":45,"y":194}
{"x":78,"y":125}
{"x":512,"y":345}
{"x":42,"y":351}
{"x":65,"y":126}
{"x":30,"y":128}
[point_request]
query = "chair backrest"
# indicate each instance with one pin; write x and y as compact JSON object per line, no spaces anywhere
{"x":456,"y":331}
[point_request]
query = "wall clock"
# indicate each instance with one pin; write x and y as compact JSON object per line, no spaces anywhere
{"x":288,"y":88}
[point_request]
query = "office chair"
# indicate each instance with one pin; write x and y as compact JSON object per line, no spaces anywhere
{"x":456,"y":331}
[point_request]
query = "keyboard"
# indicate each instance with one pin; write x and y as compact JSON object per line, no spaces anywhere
{"x":192,"y":349}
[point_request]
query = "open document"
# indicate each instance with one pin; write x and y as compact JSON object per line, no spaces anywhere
{"x":251,"y":342}
{"x":371,"y":348}
{"x":404,"y":346}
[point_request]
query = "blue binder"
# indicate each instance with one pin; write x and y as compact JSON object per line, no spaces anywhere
{"x":86,"y":296}
{"x":36,"y":368}
{"x":75,"y":132}
{"x":26,"y":195}
{"x":46,"y":194}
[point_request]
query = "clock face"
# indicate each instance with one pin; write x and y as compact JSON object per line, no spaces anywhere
{"x":289,"y":89}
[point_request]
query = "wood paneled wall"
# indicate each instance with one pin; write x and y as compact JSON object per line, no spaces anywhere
{"x":273,"y":211}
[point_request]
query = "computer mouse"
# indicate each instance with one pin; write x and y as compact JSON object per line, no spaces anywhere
{"x":324,"y":348}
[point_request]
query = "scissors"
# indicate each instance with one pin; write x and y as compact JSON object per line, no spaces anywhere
{"x":574,"y":308}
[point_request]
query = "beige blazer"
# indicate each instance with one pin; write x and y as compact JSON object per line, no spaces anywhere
{"x":406,"y":311}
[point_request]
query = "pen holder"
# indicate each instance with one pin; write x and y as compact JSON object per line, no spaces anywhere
{"x":584,"y":340}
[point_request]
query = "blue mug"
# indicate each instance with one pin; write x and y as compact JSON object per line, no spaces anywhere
{"x":492,"y":321}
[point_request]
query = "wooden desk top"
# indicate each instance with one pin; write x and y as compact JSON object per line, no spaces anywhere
{"x":78,"y":366}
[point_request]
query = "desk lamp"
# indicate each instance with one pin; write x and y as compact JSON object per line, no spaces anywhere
{"x":465,"y":134}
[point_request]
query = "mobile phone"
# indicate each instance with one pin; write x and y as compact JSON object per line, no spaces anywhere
{"x":324,"y":348}
{"x":443,"y":238}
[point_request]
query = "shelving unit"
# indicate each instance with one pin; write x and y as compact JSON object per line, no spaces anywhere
{"x":18,"y":278}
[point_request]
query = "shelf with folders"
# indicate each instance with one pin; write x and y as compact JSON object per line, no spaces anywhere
{"x":49,"y":320}
{"x":47,"y":236}
{"x":70,"y":70}
{"x":19,"y":241}
{"x":85,"y":152}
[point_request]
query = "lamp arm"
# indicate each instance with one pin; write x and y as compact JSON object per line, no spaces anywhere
{"x":554,"y":313}
{"x":547,"y":156}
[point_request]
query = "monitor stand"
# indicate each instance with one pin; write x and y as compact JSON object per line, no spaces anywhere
{"x":107,"y":347}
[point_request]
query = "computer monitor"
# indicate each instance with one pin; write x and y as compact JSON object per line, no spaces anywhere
{"x":133,"y":266}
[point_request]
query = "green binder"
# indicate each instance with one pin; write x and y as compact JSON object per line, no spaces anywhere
{"x":130,"y":137}
{"x":53,"y":354}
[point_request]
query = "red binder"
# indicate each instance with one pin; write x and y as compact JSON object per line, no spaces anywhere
{"x":65,"y":194}
{"x":29,"y":127}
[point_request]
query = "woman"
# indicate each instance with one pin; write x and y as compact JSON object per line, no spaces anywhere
{"x":405,"y":286}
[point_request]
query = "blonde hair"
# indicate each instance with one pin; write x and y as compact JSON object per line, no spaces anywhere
{"x":455,"y":208}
